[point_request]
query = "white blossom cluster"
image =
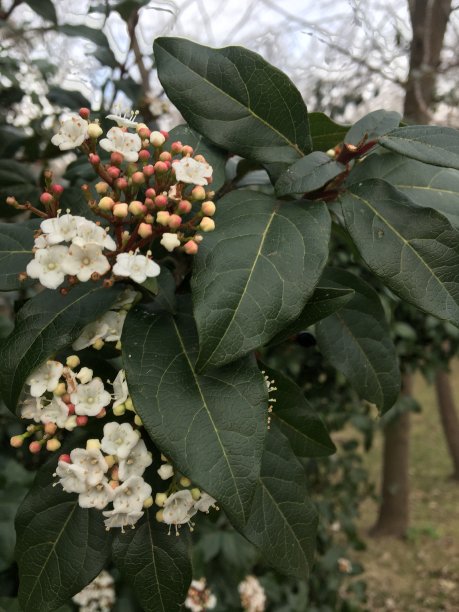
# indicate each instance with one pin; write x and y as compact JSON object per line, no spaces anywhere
{"x":253,"y":596}
{"x":111,"y":478}
{"x":199,"y":597}
{"x":98,"y":596}
{"x":270,"y":386}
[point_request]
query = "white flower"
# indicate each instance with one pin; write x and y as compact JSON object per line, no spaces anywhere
{"x":114,"y":322}
{"x":92,"y":462}
{"x":188,"y":170}
{"x":72,"y":477}
{"x":253,"y":597}
{"x":89,"y":399}
{"x":120,"y":389}
{"x":125,"y":120}
{"x":45,"y":378}
{"x":119,"y":439}
{"x":71,"y":134}
{"x":179,"y":508}
{"x":205,"y":502}
{"x":122,"y":142}
{"x":85,"y":375}
{"x":126,"y":298}
{"x":170,"y":241}
{"x":136,"y":462}
{"x":199,"y":598}
{"x":60,"y":229}
{"x":41,"y":242}
{"x":31,"y":409}
{"x":116,"y":518}
{"x":82,"y":262}
{"x":55,"y":412}
{"x":165,"y":471}
{"x":98,"y":596}
{"x":90,"y":233}
{"x":47,"y":266}
{"x":137,"y":267}
{"x":91,"y":332}
{"x":129,"y":496}
{"x":97,"y":496}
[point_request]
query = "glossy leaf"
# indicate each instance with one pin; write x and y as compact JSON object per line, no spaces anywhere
{"x":425,"y":185}
{"x":283,"y":520}
{"x":430,"y":144}
{"x":156,"y":565}
{"x":308,"y":174}
{"x":325,"y":133}
{"x":372,"y":126}
{"x":211,"y":426}
{"x":356,"y":341}
{"x":60,"y":547}
{"x":297,"y":419}
{"x":47,"y":323}
{"x":323,"y":302}
{"x":253,"y":275}
{"x":16,"y":243}
{"x":414,"y":250}
{"x":235,"y":98}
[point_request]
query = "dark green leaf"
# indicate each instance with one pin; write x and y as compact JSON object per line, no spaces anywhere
{"x":356,"y":341}
{"x":95,"y":36}
{"x":372,"y":126}
{"x":60,"y":546}
{"x":156,"y":564}
{"x":67,"y":98}
{"x":325,"y":133}
{"x":425,"y":185}
{"x":253,"y":275}
{"x":215,"y":156}
{"x":414,"y":250}
{"x":297,"y":419}
{"x":47,"y":323}
{"x":44,"y":8}
{"x":323,"y":302}
{"x":16,"y":242}
{"x":308,"y":174}
{"x":283,"y":520}
{"x":430,"y":144}
{"x":16,"y":180}
{"x":211,"y":426}
{"x":235,"y":98}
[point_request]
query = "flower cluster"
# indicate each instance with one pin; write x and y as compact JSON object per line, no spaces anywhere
{"x":111,"y":478}
{"x":253,"y":597}
{"x":199,"y":597}
{"x":98,"y":596}
{"x":270,"y":386}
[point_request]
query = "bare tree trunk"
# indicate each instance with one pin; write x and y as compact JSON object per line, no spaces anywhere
{"x":393,"y":518}
{"x":429,"y":19}
{"x":449,"y":418}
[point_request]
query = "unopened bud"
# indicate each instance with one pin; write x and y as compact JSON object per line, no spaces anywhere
{"x":160,"y":499}
{"x":208,"y":208}
{"x":184,"y":481}
{"x":102,"y":187}
{"x":60,"y":390}
{"x":144,"y":132}
{"x":159,"y":516}
{"x":145,"y":230}
{"x":148,"y":503}
{"x":81,"y":420}
{"x":113,"y":172}
{"x":138,"y":178}
{"x":84,"y":113}
{"x":144,"y":155}
{"x":129,"y":405}
{"x":187,"y":150}
{"x":110,"y":461}
{"x":198,"y":193}
{"x":175,"y":221}
{"x":101,"y":414}
{"x":50,"y":429}
{"x":207,"y":225}
{"x":165,"y":156}
{"x":184,"y":206}
{"x":195,"y":493}
{"x":120,"y":210}
{"x":53,"y":445}
{"x":70,"y":423}
{"x":106,"y":203}
{"x":73,"y":361}
{"x":92,"y":444}
{"x":121,"y":184}
{"x":200,"y":158}
{"x":190,"y":247}
{"x":35,"y":447}
{"x":137,"y":208}
{"x":115,"y":473}
{"x":161,"y":201}
{"x":176,"y":147}
{"x":119,"y":410}
{"x":138,"y":421}
{"x":70,"y":408}
{"x":65,"y":458}
{"x":94,"y":159}
{"x":157,"y":139}
{"x":150,"y":192}
{"x":116,"y":158}
{"x":94,"y":130}
{"x":46,"y":199}
{"x":57,"y":190}
{"x":16,"y":441}
{"x":148,"y":170}
{"x":161,"y":167}
{"x":162,"y":217}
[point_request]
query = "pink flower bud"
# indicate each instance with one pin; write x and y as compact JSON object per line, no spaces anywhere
{"x":162,"y":217}
{"x":46,"y":198}
{"x":184,"y":206}
{"x":137,"y":208}
{"x":149,"y":203}
{"x":17,"y":441}
{"x":200,"y":158}
{"x":116,"y":158}
{"x":149,"y":170}
{"x":165,"y":156}
{"x":198,"y":193}
{"x":65,"y":458}
{"x":101,"y":414}
{"x":113,"y":172}
{"x":50,"y":429}
{"x":150,"y":193}
{"x":175,"y":221}
{"x":157,"y":139}
{"x":187,"y":150}
{"x":144,"y":132}
{"x":71,"y":408}
{"x":176,"y":147}
{"x":57,"y":189}
{"x":138,"y":178}
{"x":106,"y":203}
{"x":164,"y":133}
{"x":120,"y":210}
{"x":145,"y":230}
{"x":144,"y":155}
{"x":102,"y":187}
{"x":161,"y":167}
{"x":84,"y":112}
{"x":82,"y":420}
{"x":208,"y":208}
{"x":161,"y":201}
{"x":190,"y":247}
{"x":207,"y":224}
{"x":94,"y":159}
{"x":53,"y":445}
{"x":121,"y":184}
{"x":35,"y":447}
